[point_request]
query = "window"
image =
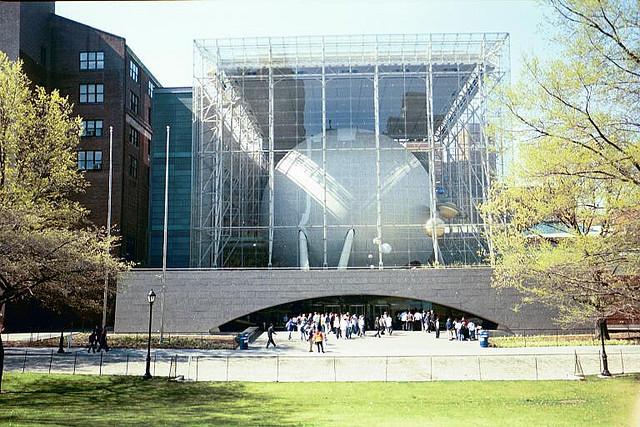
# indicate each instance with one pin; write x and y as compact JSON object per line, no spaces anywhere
{"x":133,"y":71}
{"x":134,"y":136}
{"x":89,"y":160}
{"x":134,"y":103}
{"x":150,"y":89}
{"x":133,"y":167}
{"x":92,"y":128}
{"x":91,"y":94}
{"x":91,"y":60}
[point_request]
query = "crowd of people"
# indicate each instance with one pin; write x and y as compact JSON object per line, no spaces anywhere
{"x":462,"y":330}
{"x":315,"y":328}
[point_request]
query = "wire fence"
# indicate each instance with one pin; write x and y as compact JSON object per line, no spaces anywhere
{"x":42,"y":339}
{"x":564,"y":337}
{"x":325,"y":368}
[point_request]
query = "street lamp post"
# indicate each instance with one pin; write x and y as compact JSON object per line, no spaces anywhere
{"x":151,"y":298}
{"x":605,"y":364}
{"x":106,"y":274}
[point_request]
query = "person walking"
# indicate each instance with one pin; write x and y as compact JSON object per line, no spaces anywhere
{"x":472,"y":330}
{"x":336,"y":325}
{"x":270,"y":334}
{"x":418,"y":321}
{"x":437,"y":326}
{"x":449,"y":327}
{"x":389,"y":324}
{"x":311,"y":335}
{"x":376,"y":326}
{"x":319,"y":340}
{"x":102,"y":341}
{"x":290,"y":327}
{"x":93,"y":340}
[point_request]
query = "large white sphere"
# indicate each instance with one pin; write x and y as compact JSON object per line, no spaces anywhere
{"x":299,"y":198}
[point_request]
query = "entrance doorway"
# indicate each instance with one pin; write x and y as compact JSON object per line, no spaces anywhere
{"x":380,"y":309}
{"x":332,"y":309}
{"x":357,"y":309}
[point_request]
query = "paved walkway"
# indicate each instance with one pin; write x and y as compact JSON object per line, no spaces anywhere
{"x":403,"y":356}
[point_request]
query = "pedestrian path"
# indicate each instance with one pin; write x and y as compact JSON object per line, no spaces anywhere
{"x":402,"y":343}
{"x":403,"y":356}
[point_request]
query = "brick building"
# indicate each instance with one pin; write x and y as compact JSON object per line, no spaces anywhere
{"x":109,"y":86}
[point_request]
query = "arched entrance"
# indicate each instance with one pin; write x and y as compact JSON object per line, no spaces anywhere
{"x":368,"y":305}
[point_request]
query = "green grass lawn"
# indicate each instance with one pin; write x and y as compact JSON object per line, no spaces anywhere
{"x":31,"y":399}
{"x":560,"y":340}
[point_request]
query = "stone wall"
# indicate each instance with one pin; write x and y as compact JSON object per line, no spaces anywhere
{"x":197,"y":300}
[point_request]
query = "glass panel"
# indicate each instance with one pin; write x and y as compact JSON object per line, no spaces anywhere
{"x":83,"y":56}
{"x":327,"y":193}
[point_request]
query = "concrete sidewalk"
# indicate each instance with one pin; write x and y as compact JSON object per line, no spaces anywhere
{"x":404,"y":356}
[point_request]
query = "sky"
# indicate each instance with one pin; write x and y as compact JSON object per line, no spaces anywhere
{"x":162,"y":33}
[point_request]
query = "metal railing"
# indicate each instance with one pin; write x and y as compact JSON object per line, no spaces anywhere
{"x":562,"y":337}
{"x":325,"y":368}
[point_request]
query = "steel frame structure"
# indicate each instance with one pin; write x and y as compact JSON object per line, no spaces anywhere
{"x":234,"y":159}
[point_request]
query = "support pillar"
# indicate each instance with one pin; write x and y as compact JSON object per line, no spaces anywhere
{"x":271,"y":160}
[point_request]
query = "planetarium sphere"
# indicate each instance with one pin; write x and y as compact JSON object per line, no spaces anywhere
{"x":349,"y":202}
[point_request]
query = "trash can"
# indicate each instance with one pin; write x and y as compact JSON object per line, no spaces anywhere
{"x":243,"y":341}
{"x":484,"y":339}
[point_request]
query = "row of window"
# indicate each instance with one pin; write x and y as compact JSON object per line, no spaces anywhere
{"x":94,"y":60}
{"x":94,"y":94}
{"x":92,"y":160}
{"x":94,"y":128}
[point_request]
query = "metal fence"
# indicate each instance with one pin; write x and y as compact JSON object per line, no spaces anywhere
{"x":326,"y":368}
{"x":561,"y":337}
{"x":31,"y":339}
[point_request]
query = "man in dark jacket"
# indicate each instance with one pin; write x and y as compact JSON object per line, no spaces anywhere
{"x":270,"y":334}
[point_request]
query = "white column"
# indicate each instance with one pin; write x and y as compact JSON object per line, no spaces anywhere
{"x":324,"y":161}
{"x":271,"y":159}
{"x":432,"y":162}
{"x":376,"y":119}
{"x":106,"y":275}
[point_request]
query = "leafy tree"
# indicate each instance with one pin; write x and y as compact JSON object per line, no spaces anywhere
{"x":47,"y":248}
{"x":577,"y":179}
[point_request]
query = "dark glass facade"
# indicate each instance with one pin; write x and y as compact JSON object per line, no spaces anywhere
{"x":171,"y":107}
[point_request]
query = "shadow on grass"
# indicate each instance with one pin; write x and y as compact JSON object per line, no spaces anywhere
{"x":67,"y":400}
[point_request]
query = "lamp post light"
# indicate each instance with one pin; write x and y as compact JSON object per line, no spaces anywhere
{"x":151,"y":298}
{"x":602,"y":323}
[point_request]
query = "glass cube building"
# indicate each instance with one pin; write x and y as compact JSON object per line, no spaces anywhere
{"x":344,"y":152}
